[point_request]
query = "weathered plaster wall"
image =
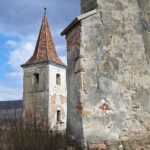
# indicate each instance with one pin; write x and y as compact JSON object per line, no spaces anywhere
{"x":108,"y":78}
{"x":41,"y":101}
{"x":36,"y":95}
{"x":57,"y":97}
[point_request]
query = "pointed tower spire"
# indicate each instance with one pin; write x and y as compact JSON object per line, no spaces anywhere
{"x":45,"y":49}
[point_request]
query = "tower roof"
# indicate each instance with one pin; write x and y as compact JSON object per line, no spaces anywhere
{"x":45,"y":49}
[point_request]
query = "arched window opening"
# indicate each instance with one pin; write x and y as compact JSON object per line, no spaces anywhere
{"x":58,"y":79}
{"x":36,"y":78}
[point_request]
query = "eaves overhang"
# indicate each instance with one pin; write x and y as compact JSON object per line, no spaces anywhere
{"x":77,"y":20}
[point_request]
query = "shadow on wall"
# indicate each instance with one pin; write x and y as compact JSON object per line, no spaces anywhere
{"x":145,"y":21}
{"x":74,"y":132}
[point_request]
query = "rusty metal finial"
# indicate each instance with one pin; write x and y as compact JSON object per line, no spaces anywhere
{"x":45,"y":11}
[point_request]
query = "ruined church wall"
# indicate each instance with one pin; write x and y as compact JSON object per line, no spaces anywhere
{"x":108,"y":78}
{"x":88,"y":5}
{"x":74,"y":122}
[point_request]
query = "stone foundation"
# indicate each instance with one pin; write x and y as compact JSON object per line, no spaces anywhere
{"x":140,"y":144}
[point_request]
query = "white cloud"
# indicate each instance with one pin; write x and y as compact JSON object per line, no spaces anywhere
{"x":23,"y":18}
{"x":11,"y":43}
{"x":21,"y":54}
{"x":8,"y":93}
{"x":61,"y":48}
{"x":64,"y":59}
{"x":16,"y":75}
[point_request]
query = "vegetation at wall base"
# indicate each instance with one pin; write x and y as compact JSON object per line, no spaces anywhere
{"x":16,"y":136}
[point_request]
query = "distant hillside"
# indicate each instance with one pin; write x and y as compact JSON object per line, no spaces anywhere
{"x":10,"y":110}
{"x":17,"y":104}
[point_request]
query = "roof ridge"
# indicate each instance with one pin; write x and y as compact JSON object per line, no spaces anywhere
{"x":46,"y":41}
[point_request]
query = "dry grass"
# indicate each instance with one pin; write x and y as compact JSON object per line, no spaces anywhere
{"x":15,"y":136}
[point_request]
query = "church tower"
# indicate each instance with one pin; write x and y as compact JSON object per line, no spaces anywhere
{"x":45,"y":83}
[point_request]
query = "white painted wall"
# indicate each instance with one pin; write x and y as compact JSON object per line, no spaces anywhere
{"x":60,"y":91}
{"x":53,"y":70}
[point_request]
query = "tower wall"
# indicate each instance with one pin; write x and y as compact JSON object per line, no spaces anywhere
{"x":35,"y":95}
{"x":57,"y":97}
{"x":42,"y":101}
{"x":108,"y":78}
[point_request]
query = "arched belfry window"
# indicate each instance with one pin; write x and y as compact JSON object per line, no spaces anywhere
{"x":58,"y":79}
{"x":36,"y":78}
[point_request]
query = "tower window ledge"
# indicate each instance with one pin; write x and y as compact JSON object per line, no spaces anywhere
{"x":60,"y":122}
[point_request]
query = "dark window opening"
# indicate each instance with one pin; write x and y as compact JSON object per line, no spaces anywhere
{"x":36,"y":78}
{"x":58,"y":79}
{"x":58,"y":116}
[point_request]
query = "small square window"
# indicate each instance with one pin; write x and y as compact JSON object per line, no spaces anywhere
{"x":58,"y":116}
{"x":36,"y":78}
{"x":58,"y":79}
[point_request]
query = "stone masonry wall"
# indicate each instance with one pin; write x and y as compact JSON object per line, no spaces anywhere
{"x":73,"y":38}
{"x":109,"y":78}
{"x":88,"y":5}
{"x":73,"y":57}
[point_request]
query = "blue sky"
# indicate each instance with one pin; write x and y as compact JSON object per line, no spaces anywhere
{"x":20,"y":23}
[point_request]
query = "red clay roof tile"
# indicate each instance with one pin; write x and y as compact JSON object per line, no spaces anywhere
{"x":45,"y":49}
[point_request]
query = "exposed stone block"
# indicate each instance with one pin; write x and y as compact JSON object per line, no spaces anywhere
{"x":101,"y":146}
